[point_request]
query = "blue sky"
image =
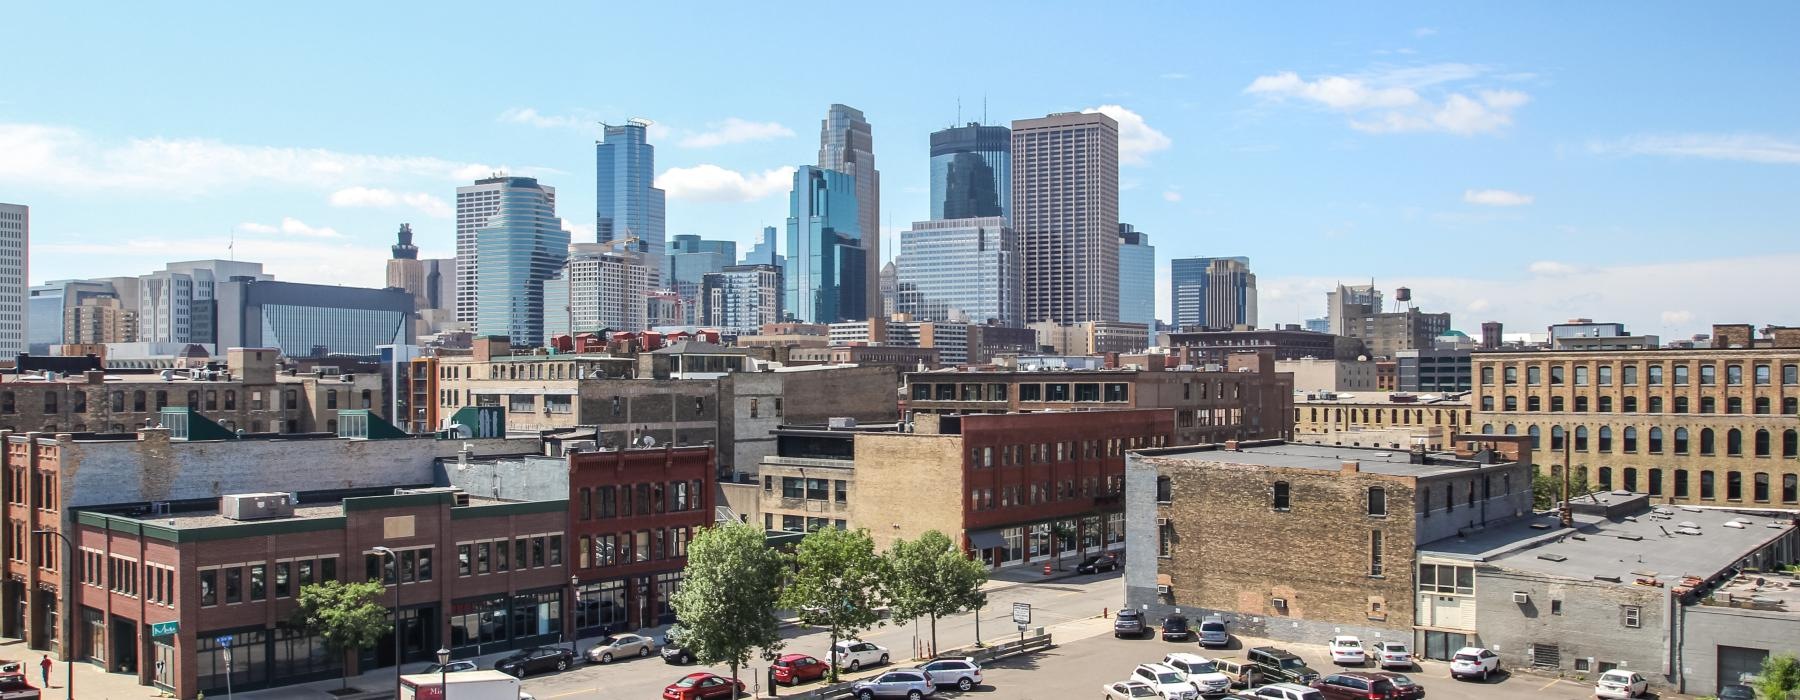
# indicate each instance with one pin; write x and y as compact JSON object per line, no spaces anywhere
{"x":1520,"y":162}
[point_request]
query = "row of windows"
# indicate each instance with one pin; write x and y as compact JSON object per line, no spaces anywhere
{"x":1048,"y":452}
{"x":1762,"y":485}
{"x":983,"y":499}
{"x":250,"y":581}
{"x":639,"y":499}
{"x":613,"y":549}
{"x":1762,"y":441}
{"x":1111,"y":392}
{"x":1393,"y":416}
{"x":810,"y":488}
{"x":144,"y":401}
{"x":1761,"y":374}
{"x":495,"y":556}
{"x":43,"y":490}
{"x":1761,"y":405}
{"x":406,"y":566}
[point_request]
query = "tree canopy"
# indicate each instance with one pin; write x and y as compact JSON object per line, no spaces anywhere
{"x":930,"y":577}
{"x":346,"y":616}
{"x":729,"y":590}
{"x":836,"y":584}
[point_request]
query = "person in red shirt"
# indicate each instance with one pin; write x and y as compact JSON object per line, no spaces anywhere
{"x":45,"y":664}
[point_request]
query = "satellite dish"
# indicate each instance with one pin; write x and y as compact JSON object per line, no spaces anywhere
{"x":647,"y":441}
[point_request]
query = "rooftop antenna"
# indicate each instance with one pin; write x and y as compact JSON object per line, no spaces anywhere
{"x":958,"y":111}
{"x":984,"y":108}
{"x":231,"y":247}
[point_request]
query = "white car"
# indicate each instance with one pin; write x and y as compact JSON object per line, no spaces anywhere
{"x":1128,"y":690}
{"x":1168,"y":683}
{"x":1288,"y":691}
{"x":963,"y":673}
{"x":1393,"y":655}
{"x":1200,"y":671}
{"x":1347,"y":651}
{"x":854,"y":654}
{"x":1620,"y":684}
{"x":1474,"y":662}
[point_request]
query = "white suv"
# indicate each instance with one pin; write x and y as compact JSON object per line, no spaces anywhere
{"x":1168,"y":682}
{"x":1474,"y":662}
{"x":1200,"y":671}
{"x":853,"y":654}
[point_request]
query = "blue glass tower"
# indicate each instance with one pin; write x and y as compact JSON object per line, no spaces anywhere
{"x":626,"y":200}
{"x":1137,"y":278}
{"x":1212,"y":293}
{"x":825,"y":275}
{"x":519,"y":243}
{"x":971,"y":172}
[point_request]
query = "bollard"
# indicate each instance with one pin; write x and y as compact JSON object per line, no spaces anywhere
{"x":1105,"y":613}
{"x":1046,"y":569}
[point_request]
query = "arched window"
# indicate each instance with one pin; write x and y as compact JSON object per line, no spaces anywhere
{"x":1790,"y":488}
{"x":1762,"y":443}
{"x":137,"y":401}
{"x":1630,"y":440}
{"x":1377,"y":500}
{"x":230,"y":399}
{"x":1556,"y":437}
{"x":1536,"y":437}
{"x":1606,"y":478}
{"x":1630,"y":481}
{"x":1734,"y":485}
{"x":1581,"y":438}
{"x":1512,"y":430}
{"x":1790,"y":443}
{"x":1605,"y":439}
{"x":1709,"y":488}
{"x":1706,"y":441}
{"x":1734,"y":442}
{"x":162,"y":399}
{"x":1759,"y":487}
{"x":1681,"y":404}
{"x":1681,"y":441}
{"x":1281,"y":497}
{"x":1487,"y":428}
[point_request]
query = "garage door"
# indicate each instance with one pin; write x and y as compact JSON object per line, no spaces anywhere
{"x":1735,"y":662}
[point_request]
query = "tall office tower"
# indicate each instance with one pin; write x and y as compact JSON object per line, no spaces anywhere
{"x":74,"y":312}
{"x":1137,"y":278}
{"x":430,"y":281}
{"x":764,"y":251}
{"x":15,"y":273}
{"x":508,"y":241}
{"x":741,"y":298}
{"x":847,"y":145}
{"x":1066,"y":211}
{"x":971,"y":172}
{"x":179,"y":304}
{"x":691,"y":258}
{"x":825,"y":278}
{"x":960,"y":270}
{"x":598,"y":289}
{"x":1212,"y":293}
{"x":890,"y":288}
{"x":626,"y":199}
{"x":1350,"y":300}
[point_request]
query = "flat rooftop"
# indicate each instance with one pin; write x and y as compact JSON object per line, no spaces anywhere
{"x":1386,"y":399}
{"x":1652,"y":543}
{"x":199,"y":519}
{"x":1321,"y":457}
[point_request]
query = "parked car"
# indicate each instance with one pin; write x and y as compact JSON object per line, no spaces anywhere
{"x":1281,"y":666}
{"x":1213,"y":632}
{"x":963,"y":673}
{"x":440,"y":669}
{"x":1288,"y":691}
{"x":1620,"y":685}
{"x":854,"y":654}
{"x":798,"y":668}
{"x":1347,"y":651}
{"x":620,"y":646}
{"x":1098,"y":563}
{"x":1737,"y":691}
{"x":1128,"y":690}
{"x":1175,"y":628}
{"x":672,"y":651}
{"x":1128,"y":623}
{"x":1474,"y":662}
{"x":1355,"y":686}
{"x":1404,"y":687}
{"x":907,"y":683}
{"x":536,"y":659}
{"x":1393,"y":655}
{"x":1168,"y":683}
{"x":1243,"y":674}
{"x":700,"y":686}
{"x":14,"y":686}
{"x":1200,"y":671}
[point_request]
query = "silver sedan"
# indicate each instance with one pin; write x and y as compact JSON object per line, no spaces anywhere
{"x":621,"y":646}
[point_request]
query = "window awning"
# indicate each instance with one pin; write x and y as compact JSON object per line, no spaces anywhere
{"x":986,"y":539}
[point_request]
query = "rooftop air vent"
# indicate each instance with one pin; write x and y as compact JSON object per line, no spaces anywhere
{"x":1609,"y":579}
{"x":1540,"y":526}
{"x":1632,"y":538}
{"x":1552,"y":557}
{"x":1735,"y":525}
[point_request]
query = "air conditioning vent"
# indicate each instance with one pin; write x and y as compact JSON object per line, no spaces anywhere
{"x":1280,"y":603}
{"x":1521,"y":597}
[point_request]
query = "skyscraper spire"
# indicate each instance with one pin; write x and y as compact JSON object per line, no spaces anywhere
{"x":405,"y":250}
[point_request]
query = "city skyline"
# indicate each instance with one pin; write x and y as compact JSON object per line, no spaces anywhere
{"x":1561,"y":150}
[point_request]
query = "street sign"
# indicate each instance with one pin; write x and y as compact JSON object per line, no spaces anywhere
{"x":164,"y":629}
{"x":1022,"y":613}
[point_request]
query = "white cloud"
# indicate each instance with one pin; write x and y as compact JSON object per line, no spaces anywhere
{"x":45,"y":155}
{"x":579,"y":119}
{"x":1497,"y":198}
{"x":1551,"y":268}
{"x":735,"y":130}
{"x":290,"y":226}
{"x":1676,"y":318}
{"x":374,"y":197}
{"x":1753,"y":148}
{"x":1423,"y":32}
{"x":1170,"y":195}
{"x":577,"y":232}
{"x":710,"y":183}
{"x":1403,"y":99}
{"x":1477,"y":305}
{"x":1137,"y":139}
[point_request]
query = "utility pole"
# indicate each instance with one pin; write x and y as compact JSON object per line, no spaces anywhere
{"x":1565,"y":517}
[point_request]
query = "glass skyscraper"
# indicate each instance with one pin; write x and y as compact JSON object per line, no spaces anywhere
{"x":626,"y":200}
{"x":847,"y":145}
{"x":971,"y":172}
{"x":825,"y":276}
{"x":1137,"y":278}
{"x":1212,"y":293}
{"x":518,"y":242}
{"x":960,"y":270}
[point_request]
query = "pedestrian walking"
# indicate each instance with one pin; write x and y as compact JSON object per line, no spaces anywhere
{"x":46,"y":664}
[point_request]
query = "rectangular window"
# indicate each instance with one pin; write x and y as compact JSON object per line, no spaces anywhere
{"x":1631,"y":615}
{"x":258,"y":575}
{"x":234,"y":585}
{"x":483,"y":550}
{"x":1165,"y":538}
{"x":209,"y":587}
{"x":1374,"y":552}
{"x":464,"y":562}
{"x":282,"y":571}
{"x":521,"y":555}
{"x":554,"y":547}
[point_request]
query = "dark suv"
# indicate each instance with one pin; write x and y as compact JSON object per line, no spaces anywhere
{"x":1281,"y":666}
{"x":1129,"y":623}
{"x":1356,"y":686}
{"x":1175,"y":628}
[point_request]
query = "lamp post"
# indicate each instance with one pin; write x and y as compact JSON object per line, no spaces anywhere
{"x":389,"y":553}
{"x":569,"y":622}
{"x":443,"y":656}
{"x":67,"y":587}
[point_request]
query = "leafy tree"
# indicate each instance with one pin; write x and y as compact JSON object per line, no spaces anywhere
{"x":930,"y":577}
{"x":726,"y":602}
{"x":1059,"y":531}
{"x":836,"y":584}
{"x":346,"y":616}
{"x":1546,"y":488}
{"x":1780,"y":677}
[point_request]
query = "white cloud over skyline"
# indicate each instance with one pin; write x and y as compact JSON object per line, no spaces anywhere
{"x":1752,"y":148}
{"x":1137,"y":139}
{"x":1399,"y":100}
{"x":734,"y":130}
{"x":1497,"y":198}
{"x":427,"y":204}
{"x":712,"y":183}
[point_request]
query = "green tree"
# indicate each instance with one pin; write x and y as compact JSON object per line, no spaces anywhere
{"x":930,"y":577}
{"x":1780,"y":677}
{"x":346,"y":616}
{"x":1546,"y":488}
{"x":836,"y":584}
{"x":726,"y":602}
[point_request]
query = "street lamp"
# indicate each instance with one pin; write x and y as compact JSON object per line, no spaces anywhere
{"x":389,"y":553}
{"x":443,"y":656}
{"x":68,"y":589}
{"x":569,"y":627}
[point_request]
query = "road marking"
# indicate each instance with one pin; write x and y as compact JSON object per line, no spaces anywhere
{"x":1551,"y":683}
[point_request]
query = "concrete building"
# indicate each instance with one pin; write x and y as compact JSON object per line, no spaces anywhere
{"x":1618,"y":590}
{"x":1333,"y":529}
{"x":760,"y":402}
{"x":1066,"y":211}
{"x":959,"y":270}
{"x":1212,"y":294}
{"x":310,"y":320}
{"x":78,"y":312}
{"x":1091,"y":337}
{"x":1381,"y":419}
{"x":691,"y":259}
{"x":741,"y":299}
{"x":1350,"y":300}
{"x":1312,"y":374}
{"x":508,"y":241}
{"x":179,"y":303}
{"x":847,"y":145}
{"x":15,"y":276}
{"x":627,"y":203}
{"x":951,"y":340}
{"x":1291,"y":343}
{"x":1386,"y":334}
{"x":806,"y":479}
{"x":598,"y":289}
{"x":430,"y":281}
{"x":1431,"y":370}
{"x":901,"y":358}
{"x":826,"y":276}
{"x":971,"y":172}
{"x":1137,"y":279}
{"x":1255,"y":403}
{"x":1712,"y":426}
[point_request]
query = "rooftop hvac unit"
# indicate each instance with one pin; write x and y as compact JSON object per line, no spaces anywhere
{"x":1162,"y":589}
{"x":1521,"y":597}
{"x":841,"y":423}
{"x":459,"y":496}
{"x":256,"y":506}
{"x":1279,"y":603}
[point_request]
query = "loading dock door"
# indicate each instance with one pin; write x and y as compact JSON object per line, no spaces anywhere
{"x":1734,"y":662}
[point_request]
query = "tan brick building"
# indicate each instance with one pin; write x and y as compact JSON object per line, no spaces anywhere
{"x":1714,"y":426}
{"x":1380,"y":419}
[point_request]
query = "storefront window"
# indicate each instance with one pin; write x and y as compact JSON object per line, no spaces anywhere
{"x":249,"y":665}
{"x":476,"y":623}
{"x":300,"y":656}
{"x":601,"y":608}
{"x":666,"y":585}
{"x":535,"y":614}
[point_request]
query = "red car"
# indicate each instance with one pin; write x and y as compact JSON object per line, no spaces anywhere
{"x":700,"y":686}
{"x":799,"y":668}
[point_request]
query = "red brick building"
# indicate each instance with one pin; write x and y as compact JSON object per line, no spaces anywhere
{"x":632,"y":514}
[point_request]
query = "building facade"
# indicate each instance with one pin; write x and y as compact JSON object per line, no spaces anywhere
{"x":1372,"y":419}
{"x":599,"y":289}
{"x":310,"y":320}
{"x":1350,"y":300}
{"x":847,"y":145}
{"x":508,"y":241}
{"x":15,"y":276}
{"x":1312,"y":374}
{"x":627,"y":203}
{"x":1092,"y":337}
{"x":971,"y":172}
{"x":430,"y":281}
{"x":1137,"y":279}
{"x":959,"y":270}
{"x":1066,"y":212}
{"x":691,"y":259}
{"x":1434,"y":371}
{"x":1386,"y":334}
{"x":1212,"y":293}
{"x":824,"y":279}
{"x":1291,"y":343}
{"x":740,"y":299}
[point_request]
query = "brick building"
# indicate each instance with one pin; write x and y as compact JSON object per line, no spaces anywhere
{"x":1713,"y":426}
{"x":1249,"y":400}
{"x":476,"y":575}
{"x":1301,"y":542}
{"x":1291,"y":343}
{"x":1380,"y":419}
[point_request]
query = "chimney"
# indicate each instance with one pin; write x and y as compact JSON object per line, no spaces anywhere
{"x":1232,"y":446}
{"x":94,"y":376}
{"x":1350,"y":466}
